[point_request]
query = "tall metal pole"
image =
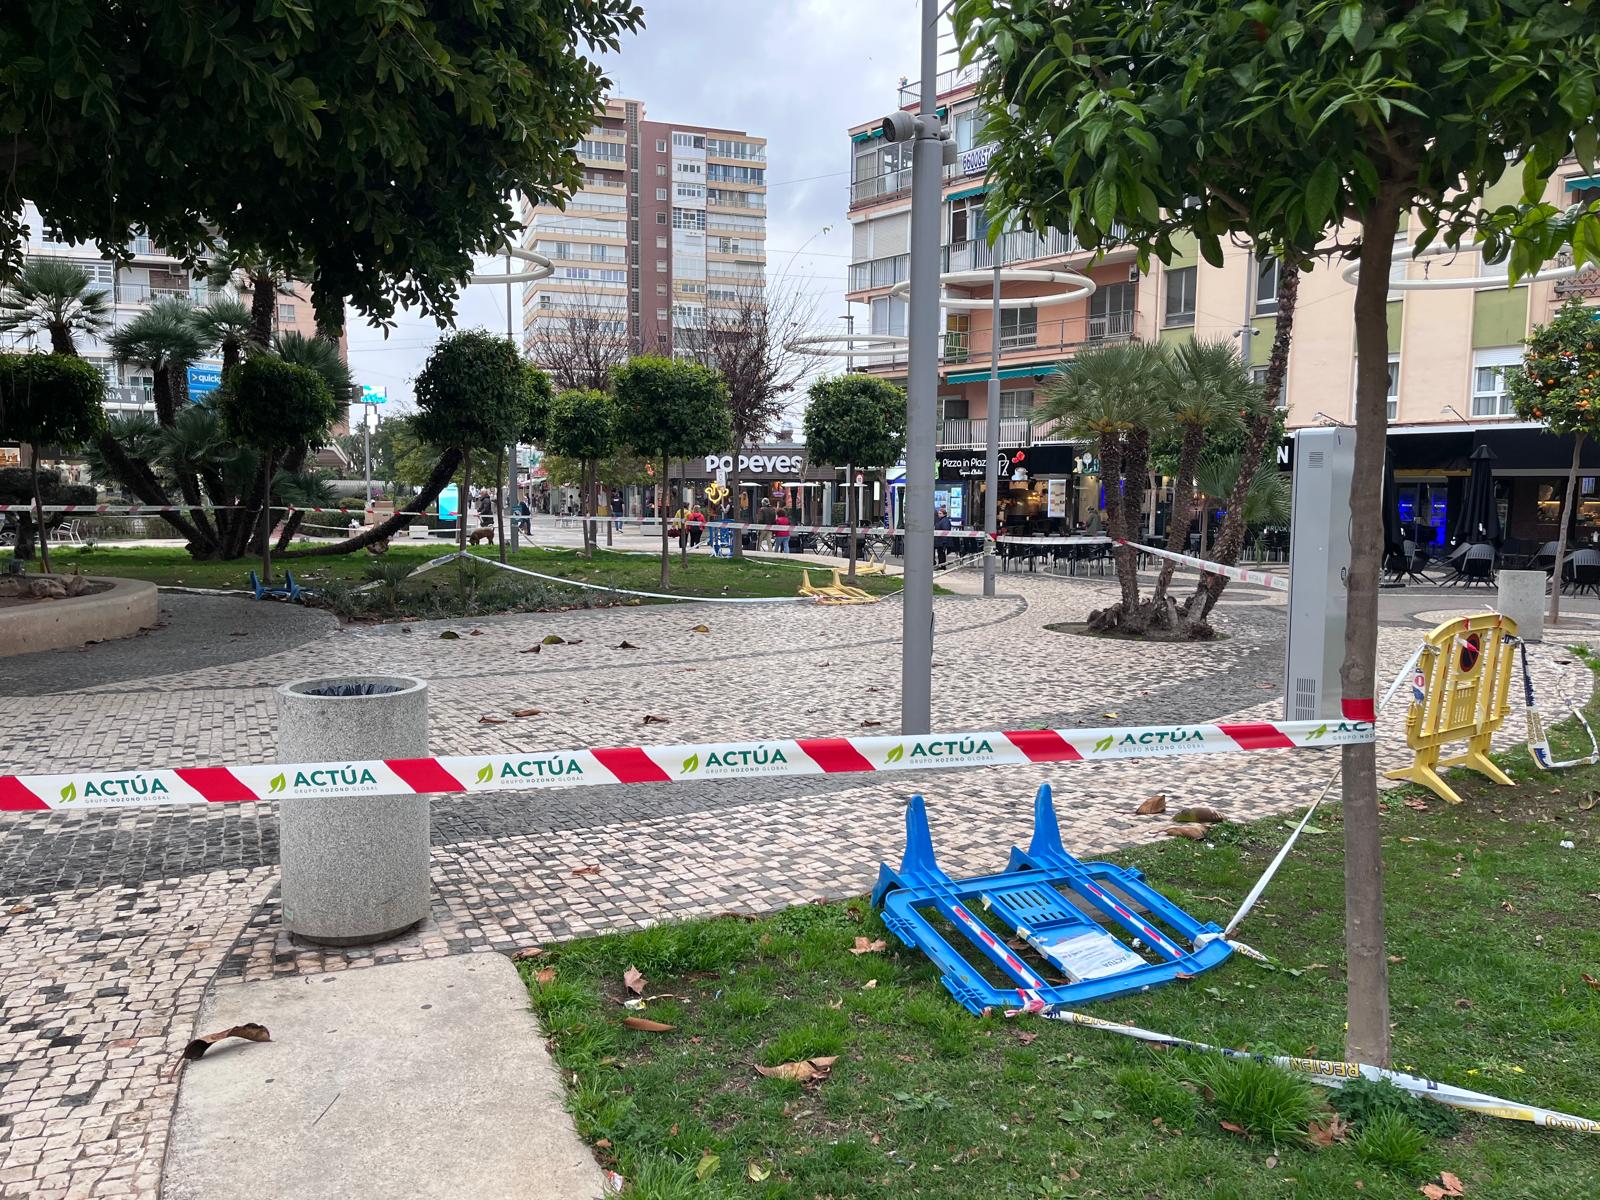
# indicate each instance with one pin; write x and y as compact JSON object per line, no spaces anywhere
{"x":991,"y":468}
{"x":513,"y":491}
{"x":366,"y":459}
{"x":927,"y":169}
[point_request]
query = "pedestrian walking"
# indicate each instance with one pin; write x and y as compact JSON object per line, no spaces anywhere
{"x":697,"y":525}
{"x":941,"y":537}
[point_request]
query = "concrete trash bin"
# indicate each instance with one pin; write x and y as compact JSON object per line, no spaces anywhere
{"x":354,"y":868}
{"x":1522,"y":598}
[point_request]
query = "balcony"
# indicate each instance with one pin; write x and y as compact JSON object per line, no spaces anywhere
{"x":1043,"y":338}
{"x":144,"y":293}
{"x":1014,"y":431}
{"x":944,"y":81}
{"x":879,"y":272}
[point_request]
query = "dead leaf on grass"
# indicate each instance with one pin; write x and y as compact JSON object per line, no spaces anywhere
{"x":1329,"y":1132}
{"x":1027,"y":1037}
{"x":531,"y":952}
{"x":1452,"y":1185}
{"x":1193,"y":832}
{"x":756,"y":1172}
{"x":1232,"y":1128}
{"x":545,"y":975}
{"x":1590,"y":980}
{"x":807,"y":1070}
{"x":866,"y":946}
{"x":1199,"y":814}
{"x":250,"y":1032}
{"x":1419,"y":805}
{"x":646,"y":1025}
{"x":869,"y":985}
{"x":633,"y":981}
{"x":1155,"y":804}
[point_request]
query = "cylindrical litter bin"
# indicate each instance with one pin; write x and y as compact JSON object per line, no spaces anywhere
{"x":355,"y":868}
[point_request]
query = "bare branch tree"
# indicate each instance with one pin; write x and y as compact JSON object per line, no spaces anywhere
{"x":744,"y":338}
{"x":579,"y":344}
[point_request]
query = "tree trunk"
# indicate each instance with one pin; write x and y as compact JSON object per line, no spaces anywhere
{"x":1367,"y":1028}
{"x":136,"y":476}
{"x":1553,"y":616}
{"x":661,"y":515}
{"x":1231,"y":537}
{"x":1135,"y":461}
{"x":464,"y":500}
{"x":61,"y":341}
{"x":613,"y":511}
{"x":735,"y":485}
{"x":850,"y":516}
{"x":500,"y":501}
{"x":683,"y":534}
{"x":266,"y":517}
{"x":38,"y":508}
{"x":1183,"y":509}
{"x":291,"y":526}
{"x":586,"y":505}
{"x":442,"y":473}
{"x":1126,"y":557}
{"x":263,"y":305}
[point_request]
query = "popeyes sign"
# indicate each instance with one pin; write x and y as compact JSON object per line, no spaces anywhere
{"x":756,"y":464}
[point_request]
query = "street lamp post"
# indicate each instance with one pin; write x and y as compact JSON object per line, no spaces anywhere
{"x":991,"y":468}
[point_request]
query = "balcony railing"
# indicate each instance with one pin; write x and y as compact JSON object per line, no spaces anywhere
{"x":962,"y":346}
{"x":144,"y":293}
{"x":880,"y":272}
{"x":944,"y":81}
{"x":1014,"y":431}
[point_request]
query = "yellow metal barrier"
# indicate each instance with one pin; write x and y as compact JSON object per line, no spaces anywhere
{"x":836,"y":592}
{"x":1459,"y":693}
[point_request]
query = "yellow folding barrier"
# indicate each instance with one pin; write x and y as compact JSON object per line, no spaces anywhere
{"x":836,"y":592}
{"x":1459,"y":692}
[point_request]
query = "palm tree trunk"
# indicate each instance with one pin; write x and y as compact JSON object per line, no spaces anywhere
{"x":443,"y":472}
{"x":291,"y":526}
{"x":1230,"y":539}
{"x":38,"y":508}
{"x":137,"y":477}
{"x":1183,"y":506}
{"x":1553,"y":616}
{"x":263,"y":307}
{"x":266,"y":517}
{"x":1367,"y":1028}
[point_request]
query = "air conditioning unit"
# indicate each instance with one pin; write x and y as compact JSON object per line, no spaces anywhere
{"x":1319,"y":569}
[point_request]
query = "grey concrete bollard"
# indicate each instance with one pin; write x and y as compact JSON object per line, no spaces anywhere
{"x":355,"y":868}
{"x":1522,"y":599}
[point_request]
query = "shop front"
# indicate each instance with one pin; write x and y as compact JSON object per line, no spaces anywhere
{"x":1043,"y":489}
{"x":777,"y":474}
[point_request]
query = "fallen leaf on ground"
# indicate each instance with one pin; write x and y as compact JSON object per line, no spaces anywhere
{"x":531,"y":650}
{"x":1397,"y":958}
{"x":707,"y":1166}
{"x":626,"y":646}
{"x":804,"y":1071}
{"x":1419,"y":805}
{"x":1590,"y":980}
{"x":700,"y":629}
{"x":250,"y":1032}
{"x":545,"y":975}
{"x":553,"y":639}
{"x":1326,"y":1134}
{"x":1272,"y":1161}
{"x":1193,"y":832}
{"x":491,"y":720}
{"x":870,"y":724}
{"x":865,"y":946}
{"x":574,"y":641}
{"x":633,"y":981}
{"x":603,"y":1144}
{"x":1027,"y":1037}
{"x":1155,"y":804}
{"x":449,"y":635}
{"x":525,"y":955}
{"x":647,"y":1025}
{"x":527,"y":712}
{"x":1433,"y":1191}
{"x":757,"y":1172}
{"x":475,"y":633}
{"x":1232,"y":1128}
{"x":869,"y":985}
{"x":652,"y":719}
{"x":594,"y":870}
{"x":1110,"y":715}
{"x":18,"y":909}
{"x":1199,"y":813}
{"x":1452,"y":1185}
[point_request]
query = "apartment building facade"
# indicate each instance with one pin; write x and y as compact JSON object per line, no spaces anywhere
{"x":1448,"y":348}
{"x":670,"y":219}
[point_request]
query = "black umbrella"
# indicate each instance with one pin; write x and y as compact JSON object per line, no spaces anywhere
{"x":1479,"y":520}
{"x":1394,"y":538}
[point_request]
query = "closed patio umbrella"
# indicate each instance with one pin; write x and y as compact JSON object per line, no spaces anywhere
{"x":1480,"y":516}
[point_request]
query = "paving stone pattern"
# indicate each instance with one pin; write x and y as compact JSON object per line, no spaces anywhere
{"x":113,"y":924}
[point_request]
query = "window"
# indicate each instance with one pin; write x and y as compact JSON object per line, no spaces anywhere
{"x":661,"y":264}
{"x":661,"y":241}
{"x":285,"y":314}
{"x":718,"y":173}
{"x":969,"y":221}
{"x":601,"y":150}
{"x":661,"y":314}
{"x":1111,"y":311}
{"x":1489,"y":369}
{"x":688,"y":218}
{"x":1015,"y":405}
{"x":1394,"y":387}
{"x":688,"y":168}
{"x":1258,"y":376}
{"x":969,"y":130}
{"x":690,"y":191}
{"x":735,"y":199}
{"x":695,"y":141}
{"x":1266,"y":284}
{"x":661,"y":218}
{"x":953,"y":408}
{"x":880,"y":170}
{"x":888,"y":315}
{"x":727,"y":148}
{"x":1019,"y":327}
{"x":661,"y":193}
{"x":661,"y":145}
{"x":661,"y":289}
{"x":1180,"y":296}
{"x":661,"y":168}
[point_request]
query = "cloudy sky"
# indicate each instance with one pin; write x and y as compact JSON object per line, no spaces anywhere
{"x":798,"y":72}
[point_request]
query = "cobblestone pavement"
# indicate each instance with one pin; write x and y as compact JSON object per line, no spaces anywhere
{"x":113,"y":924}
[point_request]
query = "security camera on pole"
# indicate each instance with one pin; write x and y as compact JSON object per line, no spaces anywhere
{"x":931,"y":150}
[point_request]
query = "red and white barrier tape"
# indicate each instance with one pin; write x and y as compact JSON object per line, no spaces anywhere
{"x":659,"y":764}
{"x":1277,"y":583}
{"x":150,"y":510}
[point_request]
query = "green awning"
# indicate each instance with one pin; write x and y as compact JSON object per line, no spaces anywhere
{"x":1005,"y":373}
{"x":1578,"y":185}
{"x":868,"y":135}
{"x":978,"y":190}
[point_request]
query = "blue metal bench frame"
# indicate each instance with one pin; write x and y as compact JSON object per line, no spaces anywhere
{"x":1034,"y":897}
{"x":290,"y":591}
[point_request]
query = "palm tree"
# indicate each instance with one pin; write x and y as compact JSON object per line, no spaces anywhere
{"x":164,"y":340}
{"x":1210,"y":394}
{"x":321,"y":355}
{"x":263,"y":278}
{"x":225,"y":324}
{"x":1266,"y":493}
{"x":52,"y":296}
{"x":1113,"y":395}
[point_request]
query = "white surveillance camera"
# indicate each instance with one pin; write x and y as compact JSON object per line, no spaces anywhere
{"x":949,"y":153}
{"x":899,"y":127}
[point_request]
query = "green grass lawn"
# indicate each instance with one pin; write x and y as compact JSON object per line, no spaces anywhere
{"x":1491,"y":928}
{"x":702,"y":576}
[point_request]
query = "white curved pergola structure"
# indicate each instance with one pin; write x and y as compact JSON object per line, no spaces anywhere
{"x":1352,"y":273}
{"x":542,"y":268}
{"x":848,"y":345}
{"x":1075,"y":286}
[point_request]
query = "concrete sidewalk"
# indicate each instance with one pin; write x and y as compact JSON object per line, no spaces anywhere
{"x":417,"y":1079}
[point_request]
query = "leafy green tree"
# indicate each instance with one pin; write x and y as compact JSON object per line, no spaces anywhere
{"x":52,"y":296}
{"x":860,"y":421}
{"x":1559,"y":385}
{"x":1114,"y":395}
{"x":273,"y":406}
{"x":669,"y":408}
{"x":49,"y":400}
{"x":583,"y":425}
{"x":378,"y":143}
{"x":471,"y":394}
{"x":1282,"y":124}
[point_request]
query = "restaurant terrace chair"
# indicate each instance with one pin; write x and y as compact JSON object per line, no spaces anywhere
{"x":1582,"y":572}
{"x":1476,"y":566}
